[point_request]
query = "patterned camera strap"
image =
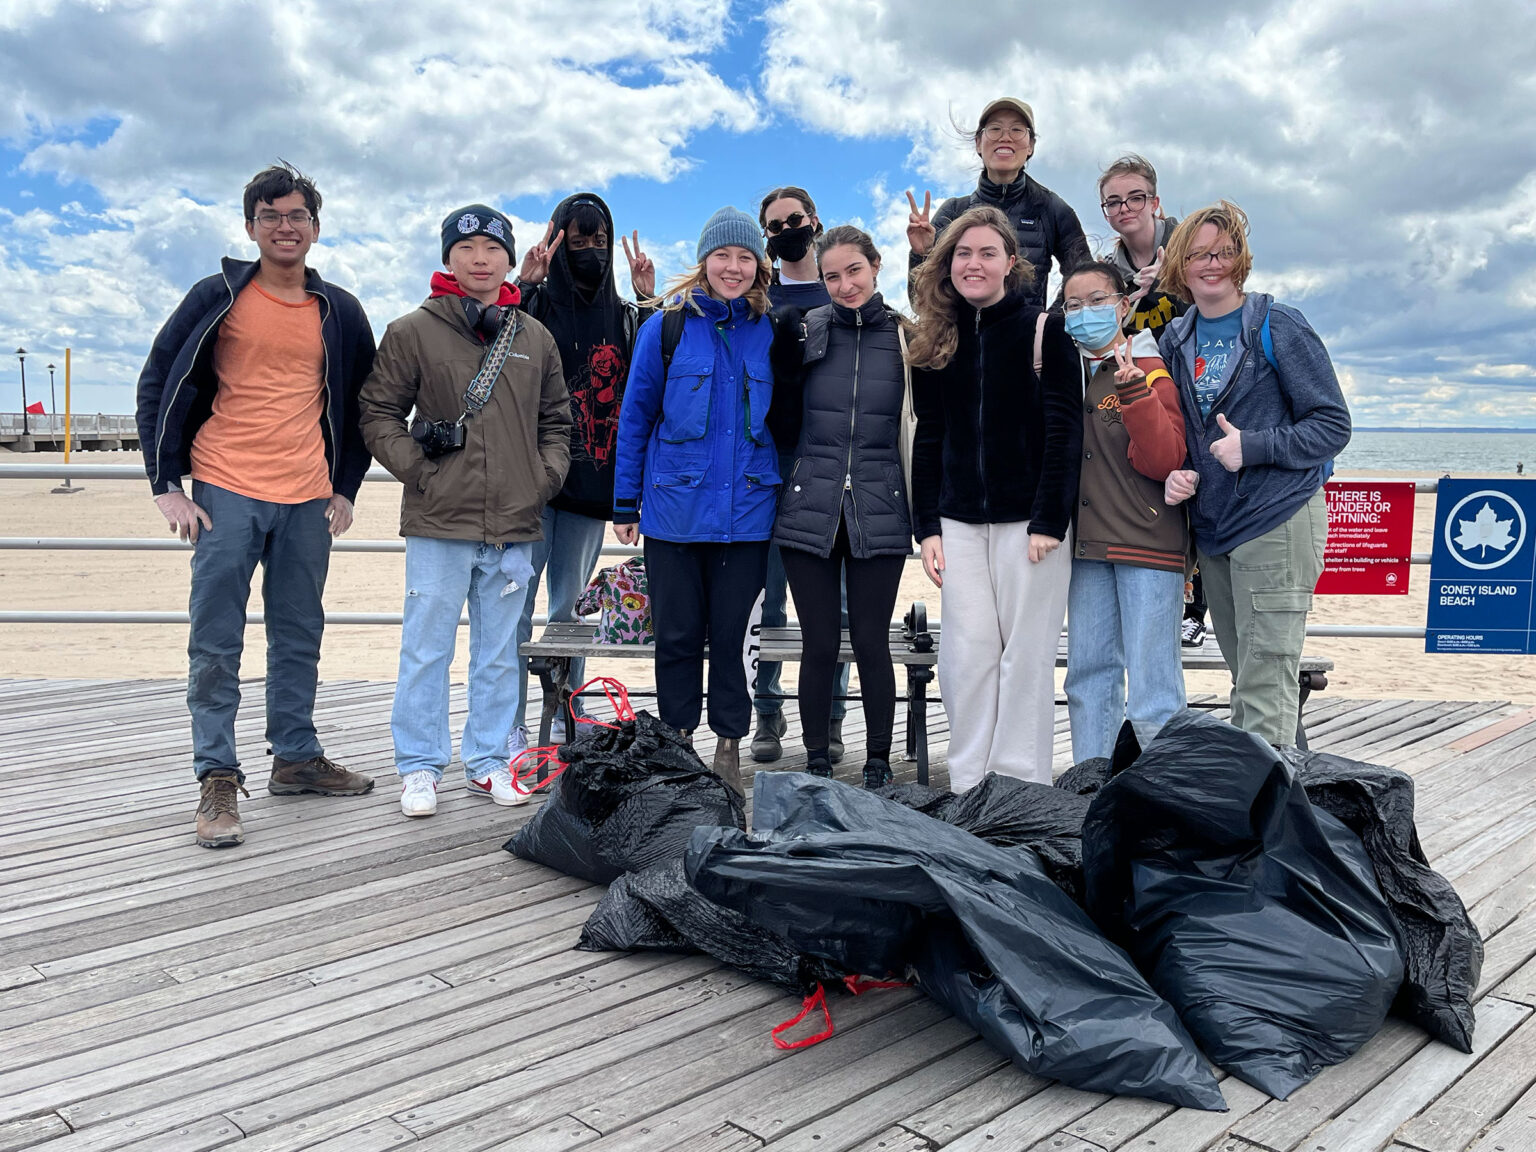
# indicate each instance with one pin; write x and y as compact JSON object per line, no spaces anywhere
{"x":479,"y":390}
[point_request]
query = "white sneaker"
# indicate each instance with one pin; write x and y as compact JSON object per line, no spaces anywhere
{"x":557,"y":730}
{"x":419,"y":795}
{"x":497,"y":784}
{"x":517,"y":743}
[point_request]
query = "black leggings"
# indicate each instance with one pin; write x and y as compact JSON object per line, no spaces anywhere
{"x":817,"y":588}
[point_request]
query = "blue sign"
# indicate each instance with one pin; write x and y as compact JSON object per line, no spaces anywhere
{"x":1483,"y":568}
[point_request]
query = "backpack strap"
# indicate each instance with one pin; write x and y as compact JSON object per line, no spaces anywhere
{"x":672,"y":322}
{"x":1268,"y":342}
{"x":1039,"y":344}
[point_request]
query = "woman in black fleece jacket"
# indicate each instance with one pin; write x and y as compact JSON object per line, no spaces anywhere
{"x":994,"y":479}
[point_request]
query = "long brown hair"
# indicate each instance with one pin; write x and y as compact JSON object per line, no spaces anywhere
{"x":678,"y":292}
{"x":934,"y":296}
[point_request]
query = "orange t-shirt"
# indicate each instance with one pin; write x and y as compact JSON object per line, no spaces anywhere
{"x":263,"y":439}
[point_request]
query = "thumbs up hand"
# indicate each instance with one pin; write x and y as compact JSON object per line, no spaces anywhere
{"x":1228,"y":449}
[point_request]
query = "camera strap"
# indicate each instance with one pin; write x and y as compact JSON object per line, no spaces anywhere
{"x":479,"y":390}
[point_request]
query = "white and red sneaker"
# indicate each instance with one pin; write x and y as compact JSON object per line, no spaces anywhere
{"x":497,"y":784}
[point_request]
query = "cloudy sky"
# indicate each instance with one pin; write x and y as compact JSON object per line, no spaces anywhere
{"x":1385,"y":152}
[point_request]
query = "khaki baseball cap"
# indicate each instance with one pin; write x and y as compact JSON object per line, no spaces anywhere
{"x":1007,"y":104}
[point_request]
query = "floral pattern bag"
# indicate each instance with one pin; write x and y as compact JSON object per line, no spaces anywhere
{"x":621,"y":598}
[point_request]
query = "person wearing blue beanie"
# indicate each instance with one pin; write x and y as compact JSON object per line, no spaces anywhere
{"x":697,"y":474}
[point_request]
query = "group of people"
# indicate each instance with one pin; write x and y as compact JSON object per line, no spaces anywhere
{"x":765,"y":421}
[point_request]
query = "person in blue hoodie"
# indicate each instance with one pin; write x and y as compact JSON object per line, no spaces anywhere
{"x":1264,"y":417}
{"x":697,"y":475}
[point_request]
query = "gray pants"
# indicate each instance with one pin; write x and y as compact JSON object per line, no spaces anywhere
{"x":1259,"y":595}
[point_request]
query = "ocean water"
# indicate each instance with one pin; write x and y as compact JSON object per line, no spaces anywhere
{"x":1433,"y":454}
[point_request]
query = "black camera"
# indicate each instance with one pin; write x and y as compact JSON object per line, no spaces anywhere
{"x":437,"y":437}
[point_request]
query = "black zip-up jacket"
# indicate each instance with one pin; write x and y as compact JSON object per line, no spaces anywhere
{"x":1045,"y":225}
{"x":995,"y":443}
{"x":178,"y":384}
{"x":847,"y":462}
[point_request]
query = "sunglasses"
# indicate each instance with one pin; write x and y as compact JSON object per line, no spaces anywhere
{"x":792,"y":221}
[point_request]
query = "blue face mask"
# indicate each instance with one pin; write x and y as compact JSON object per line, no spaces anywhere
{"x":1093,"y":328}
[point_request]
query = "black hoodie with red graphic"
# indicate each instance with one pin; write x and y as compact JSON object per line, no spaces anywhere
{"x":595,"y":332}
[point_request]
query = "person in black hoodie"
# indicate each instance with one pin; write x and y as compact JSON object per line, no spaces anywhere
{"x":567,"y":284}
{"x":843,"y":512}
{"x":994,"y":483}
{"x":1045,"y":226}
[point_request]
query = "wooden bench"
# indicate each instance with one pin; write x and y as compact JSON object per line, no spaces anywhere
{"x":914,"y":647}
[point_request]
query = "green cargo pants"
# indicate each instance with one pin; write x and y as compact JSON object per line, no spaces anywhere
{"x":1259,"y":595}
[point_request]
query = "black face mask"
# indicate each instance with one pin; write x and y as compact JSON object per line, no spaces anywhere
{"x":588,"y":265}
{"x":791,"y":244}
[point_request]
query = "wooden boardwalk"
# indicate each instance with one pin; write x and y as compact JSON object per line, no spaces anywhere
{"x":350,"y":980}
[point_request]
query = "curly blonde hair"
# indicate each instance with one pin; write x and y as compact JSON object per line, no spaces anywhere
{"x":678,"y":292}
{"x":1231,"y":223}
{"x":934,"y":296}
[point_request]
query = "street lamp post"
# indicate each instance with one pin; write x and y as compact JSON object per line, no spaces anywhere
{"x":26,"y":421}
{"x":53,"y":406}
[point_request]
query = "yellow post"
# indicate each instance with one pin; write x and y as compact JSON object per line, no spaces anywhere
{"x":66,"y":405}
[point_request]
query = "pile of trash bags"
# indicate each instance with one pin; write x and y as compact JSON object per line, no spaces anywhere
{"x":1206,"y":899}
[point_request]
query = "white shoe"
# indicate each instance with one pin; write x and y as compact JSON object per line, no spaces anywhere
{"x":517,"y":743}
{"x":557,"y":730}
{"x":419,"y":795}
{"x":497,"y":784}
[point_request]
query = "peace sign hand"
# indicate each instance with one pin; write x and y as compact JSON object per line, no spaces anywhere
{"x":536,"y":260}
{"x":920,"y":230}
{"x":1148,"y":276}
{"x":642,"y":273}
{"x":1127,"y":372}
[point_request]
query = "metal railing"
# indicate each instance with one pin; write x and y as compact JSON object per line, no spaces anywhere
{"x":379,"y":475}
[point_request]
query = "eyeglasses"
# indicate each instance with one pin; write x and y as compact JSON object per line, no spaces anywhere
{"x":1073,"y":305}
{"x":792,"y":221}
{"x":1215,"y":256}
{"x":299,"y":218}
{"x":1136,"y":201}
{"x":1013,"y":131}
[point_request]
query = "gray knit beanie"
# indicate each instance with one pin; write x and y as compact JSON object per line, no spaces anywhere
{"x":731,"y":226}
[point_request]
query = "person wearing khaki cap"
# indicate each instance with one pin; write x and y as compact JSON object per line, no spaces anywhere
{"x":1047,"y":228}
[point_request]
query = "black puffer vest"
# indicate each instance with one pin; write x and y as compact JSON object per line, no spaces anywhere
{"x":847,"y":464}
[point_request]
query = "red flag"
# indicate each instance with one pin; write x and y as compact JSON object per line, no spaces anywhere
{"x":36,"y":408}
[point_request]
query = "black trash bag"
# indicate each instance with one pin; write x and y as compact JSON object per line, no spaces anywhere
{"x":1442,"y":950}
{"x":876,"y":888}
{"x":1012,"y":813}
{"x":630,"y":798}
{"x":658,"y":910}
{"x":1254,"y":913}
{"x":1087,"y":778}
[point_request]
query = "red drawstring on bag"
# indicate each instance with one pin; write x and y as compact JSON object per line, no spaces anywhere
{"x":526,"y":766}
{"x":858,"y":985}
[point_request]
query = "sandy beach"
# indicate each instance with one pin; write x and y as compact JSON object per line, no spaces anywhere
{"x":372,"y":582}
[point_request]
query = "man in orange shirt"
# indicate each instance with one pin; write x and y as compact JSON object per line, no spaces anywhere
{"x":251,"y":390}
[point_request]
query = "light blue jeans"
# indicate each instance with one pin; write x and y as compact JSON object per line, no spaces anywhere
{"x":440,"y":575}
{"x":568,"y":555}
{"x":1123,"y":657}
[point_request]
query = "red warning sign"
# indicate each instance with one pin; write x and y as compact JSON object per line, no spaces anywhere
{"x":1370,"y":538}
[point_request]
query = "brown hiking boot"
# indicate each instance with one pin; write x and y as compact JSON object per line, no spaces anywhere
{"x":218,"y":814}
{"x":318,"y":775}
{"x":727,"y":764}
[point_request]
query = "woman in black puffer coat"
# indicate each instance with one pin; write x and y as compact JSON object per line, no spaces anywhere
{"x":843,"y":511}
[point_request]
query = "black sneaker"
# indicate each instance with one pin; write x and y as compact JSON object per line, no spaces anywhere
{"x":1192,"y":632}
{"x":877,"y":774}
{"x":818,"y":764}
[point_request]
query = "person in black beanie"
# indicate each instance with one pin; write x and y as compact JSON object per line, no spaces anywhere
{"x":567,"y":284}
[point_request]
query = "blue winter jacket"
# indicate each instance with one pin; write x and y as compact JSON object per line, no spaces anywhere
{"x":1293,"y":420}
{"x":696,"y":462}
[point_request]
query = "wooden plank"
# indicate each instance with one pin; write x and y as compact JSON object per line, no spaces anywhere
{"x":375,"y":1137}
{"x":1034,"y":1119}
{"x":1508,"y":951}
{"x":1119,"y":1120}
{"x":1371,"y":1122}
{"x":948,"y":1120}
{"x":21,"y":1135}
{"x":1494,"y":731}
{"x":199,"y":1136}
{"x":895,"y":1140}
{"x":1521,"y":986}
{"x":1501,"y":887}
{"x":1193,"y":1129}
{"x":1484,"y":1093}
{"x":1515,"y":1131}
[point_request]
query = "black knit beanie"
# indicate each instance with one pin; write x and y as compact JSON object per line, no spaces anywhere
{"x":478,"y":220}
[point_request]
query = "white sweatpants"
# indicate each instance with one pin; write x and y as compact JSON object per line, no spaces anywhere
{"x":1000,"y":626}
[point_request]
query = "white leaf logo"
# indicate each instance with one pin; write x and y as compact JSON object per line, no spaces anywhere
{"x":1484,"y":531}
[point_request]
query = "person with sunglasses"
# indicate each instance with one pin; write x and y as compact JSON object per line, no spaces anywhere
{"x":250,"y":391}
{"x":1046,"y":227}
{"x":791,"y":228}
{"x":1264,"y":417}
{"x":1129,"y":550}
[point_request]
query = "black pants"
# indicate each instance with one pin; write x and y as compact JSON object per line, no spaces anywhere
{"x":704,"y":594}
{"x":872,"y":588}
{"x":1195,"y":609}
